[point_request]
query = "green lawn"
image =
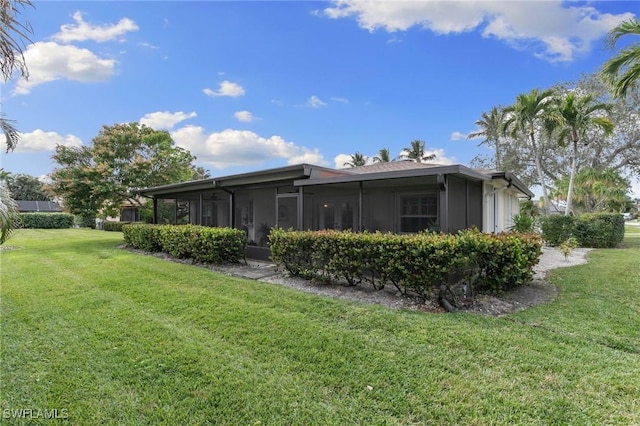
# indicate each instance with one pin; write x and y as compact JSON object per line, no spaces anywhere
{"x":115,"y":337}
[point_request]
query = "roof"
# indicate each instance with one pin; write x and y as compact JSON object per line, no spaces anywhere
{"x":27,"y":206}
{"x":309,"y":175}
{"x":390,"y":166}
{"x":298,"y":171}
{"x":394,"y":171}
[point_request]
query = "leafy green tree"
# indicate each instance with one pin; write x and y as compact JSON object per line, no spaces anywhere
{"x":357,"y":159}
{"x":571,"y":118}
{"x":97,"y":179}
{"x":623,"y":70}
{"x":13,"y":35}
{"x":383,"y":156}
{"x":9,"y":218}
{"x":597,"y":190}
{"x":27,"y":187}
{"x":522,"y":121}
{"x":417,"y":152}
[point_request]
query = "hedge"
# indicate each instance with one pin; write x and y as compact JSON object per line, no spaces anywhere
{"x":415,"y":263}
{"x":46,"y":220}
{"x":201,"y":243}
{"x":598,"y":230}
{"x":112,"y":225}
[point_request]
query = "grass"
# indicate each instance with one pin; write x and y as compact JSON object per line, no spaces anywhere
{"x":115,"y":337}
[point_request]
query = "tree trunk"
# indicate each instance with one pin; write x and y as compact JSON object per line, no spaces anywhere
{"x":572,"y":174}
{"x":538,"y":162}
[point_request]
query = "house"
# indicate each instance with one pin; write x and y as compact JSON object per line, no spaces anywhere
{"x":27,"y":206}
{"x":400,"y":196}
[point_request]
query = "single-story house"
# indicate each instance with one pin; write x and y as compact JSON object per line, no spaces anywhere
{"x":28,"y":206}
{"x":399,"y":196}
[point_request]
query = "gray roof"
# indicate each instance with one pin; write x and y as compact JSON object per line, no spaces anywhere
{"x":26,"y":206}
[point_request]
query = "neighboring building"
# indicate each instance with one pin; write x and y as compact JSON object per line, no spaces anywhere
{"x":25,"y":206}
{"x":401,"y":196}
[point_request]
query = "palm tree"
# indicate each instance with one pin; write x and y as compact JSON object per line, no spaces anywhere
{"x":357,"y":159}
{"x":491,"y":129}
{"x":13,"y":34}
{"x":572,"y":117}
{"x":623,"y":70}
{"x":416,"y":152}
{"x":383,"y":156}
{"x":9,"y":219}
{"x":521,"y":119}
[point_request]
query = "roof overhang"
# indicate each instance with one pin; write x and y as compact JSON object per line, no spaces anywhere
{"x":513,"y":181}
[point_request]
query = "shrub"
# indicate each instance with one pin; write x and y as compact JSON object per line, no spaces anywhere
{"x":85,"y":222}
{"x":557,"y":229}
{"x":201,"y":243}
{"x":599,"y":229}
{"x":112,"y":225}
{"x":416,"y":263}
{"x":523,"y":223}
{"x":46,"y":220}
{"x":142,"y":236}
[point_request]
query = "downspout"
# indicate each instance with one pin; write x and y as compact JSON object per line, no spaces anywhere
{"x":444,"y":203}
{"x":360,"y":185}
{"x":300,"y":215}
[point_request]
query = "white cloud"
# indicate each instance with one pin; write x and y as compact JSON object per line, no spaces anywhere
{"x":341,"y":100}
{"x":39,"y":141}
{"x":315,"y":102}
{"x":226,"y":88}
{"x":555,"y":31}
{"x":49,"y":61}
{"x":244,"y":116}
{"x":232,"y":147}
{"x":457,"y":136}
{"x":81,"y":30}
{"x":165,"y":119}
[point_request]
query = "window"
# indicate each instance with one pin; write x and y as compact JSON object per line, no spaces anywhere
{"x":418,"y":212}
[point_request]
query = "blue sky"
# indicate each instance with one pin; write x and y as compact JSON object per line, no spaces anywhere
{"x":252,"y":85}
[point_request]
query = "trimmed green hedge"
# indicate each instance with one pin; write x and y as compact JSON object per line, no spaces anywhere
{"x":598,"y":230}
{"x":112,"y":225}
{"x":416,"y":263}
{"x":46,"y":220}
{"x":201,"y":243}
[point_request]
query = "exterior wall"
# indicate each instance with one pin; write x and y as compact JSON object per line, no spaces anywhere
{"x":500,"y":205}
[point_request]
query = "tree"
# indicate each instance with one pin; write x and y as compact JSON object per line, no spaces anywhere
{"x":572,"y":117}
{"x":521,"y":121}
{"x":490,"y":125}
{"x":383,"y":156}
{"x":9,"y":218}
{"x":97,"y":179}
{"x":597,"y":190}
{"x":357,"y":159}
{"x":200,"y":173}
{"x":13,"y":35}
{"x":623,"y":70}
{"x":27,"y":187}
{"x":416,"y":152}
